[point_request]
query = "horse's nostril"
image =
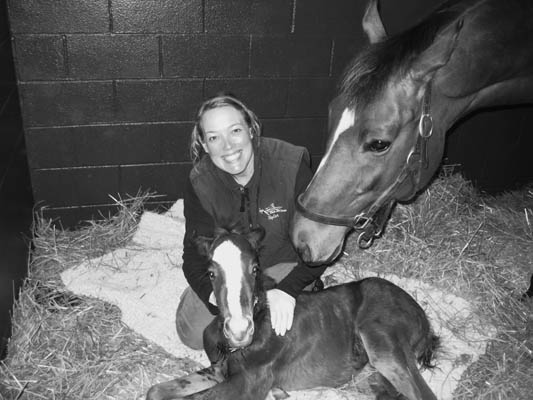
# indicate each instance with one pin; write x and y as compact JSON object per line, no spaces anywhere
{"x":250,"y":326}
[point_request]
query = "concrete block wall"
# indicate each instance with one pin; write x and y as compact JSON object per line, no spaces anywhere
{"x":109,"y":88}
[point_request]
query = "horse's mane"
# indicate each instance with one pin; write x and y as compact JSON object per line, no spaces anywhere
{"x":367,"y":74}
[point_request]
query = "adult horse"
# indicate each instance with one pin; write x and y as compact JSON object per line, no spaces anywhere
{"x":335,"y":333}
{"x":396,"y":101}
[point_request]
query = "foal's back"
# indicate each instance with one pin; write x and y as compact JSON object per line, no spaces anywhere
{"x":328,"y":343}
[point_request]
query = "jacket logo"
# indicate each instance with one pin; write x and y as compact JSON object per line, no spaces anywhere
{"x":272,"y":211}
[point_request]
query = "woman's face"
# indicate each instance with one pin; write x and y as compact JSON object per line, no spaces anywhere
{"x":228,"y":141}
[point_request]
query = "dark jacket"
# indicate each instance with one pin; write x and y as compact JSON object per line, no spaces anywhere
{"x":213,"y":198}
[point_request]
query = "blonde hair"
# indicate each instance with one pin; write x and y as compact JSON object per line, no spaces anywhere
{"x":196,"y":149}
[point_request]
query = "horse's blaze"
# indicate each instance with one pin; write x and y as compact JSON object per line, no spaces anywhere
{"x":346,"y":122}
{"x":238,"y":323}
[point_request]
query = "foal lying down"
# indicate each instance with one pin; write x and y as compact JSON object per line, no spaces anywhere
{"x":335,"y":333}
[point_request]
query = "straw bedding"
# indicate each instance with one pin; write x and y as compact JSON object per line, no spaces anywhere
{"x":466,"y":258}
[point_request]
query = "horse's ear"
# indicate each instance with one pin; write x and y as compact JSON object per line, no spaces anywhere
{"x":255,"y":236}
{"x":372,"y":24}
{"x":437,"y":55}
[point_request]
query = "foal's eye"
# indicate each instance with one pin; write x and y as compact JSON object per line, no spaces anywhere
{"x":377,"y":146}
{"x":255,"y":270}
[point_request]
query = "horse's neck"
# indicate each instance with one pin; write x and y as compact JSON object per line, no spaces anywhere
{"x":493,"y":63}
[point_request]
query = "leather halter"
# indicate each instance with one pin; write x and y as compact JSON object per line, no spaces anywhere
{"x":372,"y":221}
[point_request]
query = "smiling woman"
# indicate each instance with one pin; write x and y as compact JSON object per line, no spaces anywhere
{"x":228,"y":141}
{"x":241,"y":180}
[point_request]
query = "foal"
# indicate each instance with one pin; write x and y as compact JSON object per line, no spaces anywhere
{"x":335,"y":333}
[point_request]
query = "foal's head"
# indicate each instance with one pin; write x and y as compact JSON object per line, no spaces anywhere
{"x":234,"y":271}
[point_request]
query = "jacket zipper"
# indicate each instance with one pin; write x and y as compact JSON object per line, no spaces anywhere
{"x":245,"y":204}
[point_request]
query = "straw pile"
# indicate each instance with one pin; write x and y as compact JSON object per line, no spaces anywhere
{"x":481,"y":248}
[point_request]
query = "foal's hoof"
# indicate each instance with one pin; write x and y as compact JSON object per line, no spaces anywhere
{"x":277,"y":394}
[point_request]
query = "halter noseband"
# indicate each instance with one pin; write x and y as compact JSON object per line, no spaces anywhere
{"x":372,"y":221}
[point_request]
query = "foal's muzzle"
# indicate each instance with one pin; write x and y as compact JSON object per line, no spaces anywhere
{"x":239,"y":331}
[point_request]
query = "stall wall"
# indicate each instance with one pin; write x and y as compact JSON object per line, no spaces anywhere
{"x":108,"y":88}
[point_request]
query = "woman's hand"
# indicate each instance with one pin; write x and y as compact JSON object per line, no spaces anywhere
{"x":281,"y":307}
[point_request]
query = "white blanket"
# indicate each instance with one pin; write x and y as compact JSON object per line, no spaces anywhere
{"x":145,"y":281}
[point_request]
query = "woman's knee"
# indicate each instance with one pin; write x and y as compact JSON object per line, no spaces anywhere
{"x":192,"y":317}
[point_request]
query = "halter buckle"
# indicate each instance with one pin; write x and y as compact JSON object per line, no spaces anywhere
{"x":361,"y":222}
{"x":425,"y":126}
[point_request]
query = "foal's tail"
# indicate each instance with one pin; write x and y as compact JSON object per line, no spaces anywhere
{"x":426,"y":358}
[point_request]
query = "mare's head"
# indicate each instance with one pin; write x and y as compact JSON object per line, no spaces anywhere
{"x":234,"y":273}
{"x":380,"y":148}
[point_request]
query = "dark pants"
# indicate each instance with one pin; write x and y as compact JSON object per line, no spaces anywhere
{"x":192,"y":316}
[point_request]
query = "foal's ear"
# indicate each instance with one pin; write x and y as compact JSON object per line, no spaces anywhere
{"x":255,"y":236}
{"x":203,"y":244}
{"x":437,"y":54}
{"x":372,"y":24}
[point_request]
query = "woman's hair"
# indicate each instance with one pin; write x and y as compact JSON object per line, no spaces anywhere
{"x":224,"y":100}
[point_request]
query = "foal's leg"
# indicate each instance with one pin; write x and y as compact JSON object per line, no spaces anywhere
{"x":392,"y":356}
{"x":195,"y":382}
{"x":249,"y":385}
{"x":383,"y":389}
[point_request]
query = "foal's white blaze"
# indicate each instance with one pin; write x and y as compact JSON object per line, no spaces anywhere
{"x":347,"y":121}
{"x":228,"y":257}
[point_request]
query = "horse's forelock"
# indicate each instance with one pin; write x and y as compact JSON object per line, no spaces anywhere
{"x":366,"y":76}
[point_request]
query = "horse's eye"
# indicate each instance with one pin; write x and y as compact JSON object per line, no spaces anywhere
{"x":377,"y":146}
{"x":255,"y":270}
{"x":211,"y":275}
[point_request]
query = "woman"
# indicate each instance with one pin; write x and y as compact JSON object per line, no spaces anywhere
{"x":240,"y":178}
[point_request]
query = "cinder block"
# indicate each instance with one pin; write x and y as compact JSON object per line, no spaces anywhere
{"x":290,"y":56}
{"x":158,"y":100}
{"x":166,"y":16}
{"x":307,"y":132}
{"x":205,"y":56}
{"x":105,"y":145}
{"x":73,"y":187}
{"x":59,"y":16}
{"x":40,"y":57}
{"x":174,"y":141}
{"x":113,"y":56}
{"x":66,"y":103}
{"x":167,"y":180}
{"x":266,"y":97}
{"x":309,"y":97}
{"x":51,"y":148}
{"x":248,"y":16}
{"x":325,"y":17}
